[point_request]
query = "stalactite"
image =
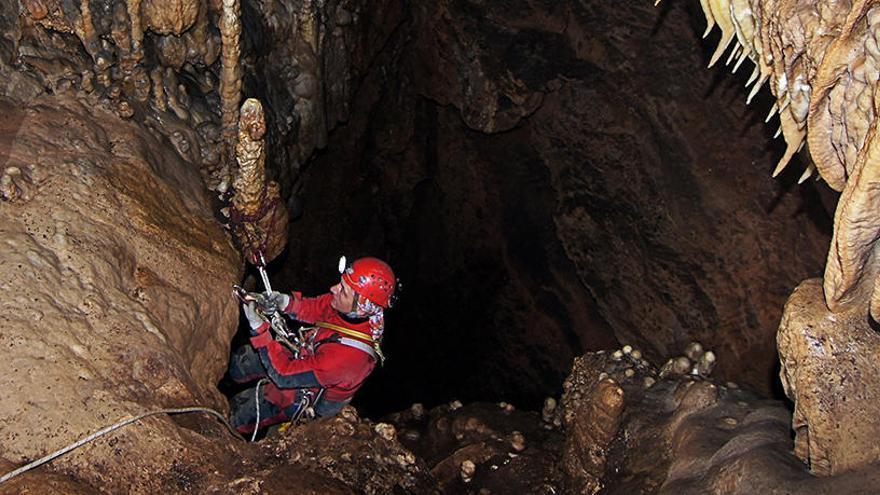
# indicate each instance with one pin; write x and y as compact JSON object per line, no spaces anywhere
{"x":251,"y":157}
{"x":230,"y":78}
{"x":137,"y":30}
{"x":86,"y":29}
{"x":259,"y":217}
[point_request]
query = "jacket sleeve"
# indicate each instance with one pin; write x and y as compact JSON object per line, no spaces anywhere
{"x":291,"y":373}
{"x":309,"y":309}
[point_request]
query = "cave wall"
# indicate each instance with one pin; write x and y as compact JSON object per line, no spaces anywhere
{"x":115,"y":281}
{"x":545,"y":180}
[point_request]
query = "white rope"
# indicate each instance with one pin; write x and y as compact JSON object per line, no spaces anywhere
{"x":257,"y":402}
{"x":8,"y":476}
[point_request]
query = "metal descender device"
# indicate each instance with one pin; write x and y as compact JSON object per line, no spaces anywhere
{"x":292,"y":340}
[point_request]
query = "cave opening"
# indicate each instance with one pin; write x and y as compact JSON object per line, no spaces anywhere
{"x":584,"y":211}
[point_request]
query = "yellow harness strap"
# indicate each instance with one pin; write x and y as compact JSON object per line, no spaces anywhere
{"x":357,"y":335}
{"x":346,"y":331}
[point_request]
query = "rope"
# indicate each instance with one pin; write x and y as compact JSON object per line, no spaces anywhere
{"x":257,"y":402}
{"x":240,"y":222}
{"x":79,"y":443}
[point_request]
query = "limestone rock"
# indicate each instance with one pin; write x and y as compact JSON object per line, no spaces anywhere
{"x":592,"y":416}
{"x":115,"y":280}
{"x":169,"y":16}
{"x":831,"y":372}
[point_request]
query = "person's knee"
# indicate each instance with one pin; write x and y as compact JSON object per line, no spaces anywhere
{"x":245,"y":365}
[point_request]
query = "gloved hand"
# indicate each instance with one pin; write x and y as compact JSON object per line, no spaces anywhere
{"x":277,"y":300}
{"x":255,"y":319}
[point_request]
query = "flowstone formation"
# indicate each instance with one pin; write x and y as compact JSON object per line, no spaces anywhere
{"x":820,"y":60}
{"x":636,"y":431}
{"x":111,"y":270}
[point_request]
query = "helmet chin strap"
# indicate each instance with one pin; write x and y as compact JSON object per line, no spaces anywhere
{"x":355,"y":311}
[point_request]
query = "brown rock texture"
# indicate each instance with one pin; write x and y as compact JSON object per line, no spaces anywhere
{"x":591,"y":415}
{"x":482,"y":446}
{"x":690,"y":435}
{"x":830,"y":370}
{"x":169,"y":16}
{"x":115,"y":281}
{"x":363,"y":455}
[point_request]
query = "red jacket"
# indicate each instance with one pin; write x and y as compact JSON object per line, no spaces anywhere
{"x":338,"y":368}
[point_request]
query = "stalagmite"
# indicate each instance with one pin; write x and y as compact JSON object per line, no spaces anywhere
{"x":693,"y":351}
{"x":158,"y":89}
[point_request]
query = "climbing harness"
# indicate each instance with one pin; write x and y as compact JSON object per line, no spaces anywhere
{"x":79,"y":443}
{"x":373,"y":350}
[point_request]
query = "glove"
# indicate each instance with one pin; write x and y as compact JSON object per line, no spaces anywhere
{"x":255,"y":319}
{"x":277,"y":301}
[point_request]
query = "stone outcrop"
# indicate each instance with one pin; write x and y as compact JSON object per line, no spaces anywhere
{"x":115,"y":282}
{"x":821,"y":62}
{"x":685,"y":435}
{"x":591,"y":411}
{"x":830,"y":371}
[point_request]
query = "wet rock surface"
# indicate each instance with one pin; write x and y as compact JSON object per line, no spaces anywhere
{"x":683,"y":434}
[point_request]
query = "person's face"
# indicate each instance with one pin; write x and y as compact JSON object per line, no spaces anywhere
{"x":344,"y":298}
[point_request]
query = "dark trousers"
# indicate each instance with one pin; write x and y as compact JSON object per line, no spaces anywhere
{"x":276,"y":405}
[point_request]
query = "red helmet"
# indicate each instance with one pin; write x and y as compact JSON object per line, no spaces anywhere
{"x":371,"y":278}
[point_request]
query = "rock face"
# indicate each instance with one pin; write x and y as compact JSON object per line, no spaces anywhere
{"x":591,"y":415}
{"x":115,"y":279}
{"x":821,"y":62}
{"x":683,"y":435}
{"x":830,"y":371}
